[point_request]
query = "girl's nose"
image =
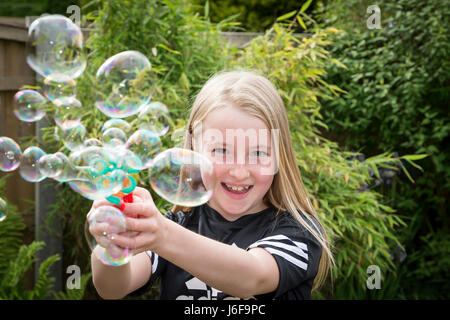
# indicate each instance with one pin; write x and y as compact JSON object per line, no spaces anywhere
{"x":240,"y":172}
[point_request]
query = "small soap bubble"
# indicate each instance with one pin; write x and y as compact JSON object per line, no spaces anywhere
{"x":68,"y":112}
{"x":50,"y":165}
{"x":58,"y":86}
{"x":29,"y":105}
{"x":57,"y":47}
{"x":10,"y":154}
{"x":154,"y":117}
{"x":145,"y":145}
{"x":29,"y":169}
{"x":117,"y":123}
{"x":92,"y":142}
{"x":123,"y":84}
{"x":68,"y":171}
{"x":182,"y":177}
{"x":113,"y":138}
{"x":72,"y":138}
{"x":3,"y":209}
{"x":106,"y":222}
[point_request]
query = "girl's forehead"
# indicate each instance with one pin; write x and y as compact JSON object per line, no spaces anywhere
{"x":231,"y":117}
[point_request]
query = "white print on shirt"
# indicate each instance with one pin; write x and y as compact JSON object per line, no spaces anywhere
{"x":210,"y":293}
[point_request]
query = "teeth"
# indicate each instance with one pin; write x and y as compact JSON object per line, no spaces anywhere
{"x":237,"y":188}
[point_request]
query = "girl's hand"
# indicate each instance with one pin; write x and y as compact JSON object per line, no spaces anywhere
{"x":150,"y":224}
{"x":98,"y":230}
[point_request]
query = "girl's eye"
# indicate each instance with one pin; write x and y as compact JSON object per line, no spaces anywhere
{"x":261,"y":153}
{"x":219,"y":150}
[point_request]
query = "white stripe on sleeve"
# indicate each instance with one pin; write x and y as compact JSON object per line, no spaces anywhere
{"x":295,"y":249}
{"x":155,"y":262}
{"x":289,"y":258}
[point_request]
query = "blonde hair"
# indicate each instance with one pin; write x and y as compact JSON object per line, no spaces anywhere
{"x":257,"y":96}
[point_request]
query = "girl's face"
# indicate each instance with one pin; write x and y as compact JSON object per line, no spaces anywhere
{"x":239,"y":146}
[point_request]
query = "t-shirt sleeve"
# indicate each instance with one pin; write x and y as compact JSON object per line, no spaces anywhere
{"x":296,"y":252}
{"x":158,"y":263}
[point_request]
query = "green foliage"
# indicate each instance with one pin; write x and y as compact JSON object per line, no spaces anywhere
{"x":363,"y":230}
{"x":397,"y":87}
{"x":10,"y":232}
{"x":16,"y":259}
{"x":12,"y":284}
{"x":253,"y":16}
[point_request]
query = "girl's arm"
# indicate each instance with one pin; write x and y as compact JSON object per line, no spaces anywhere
{"x":116,"y":282}
{"x":227,"y":268}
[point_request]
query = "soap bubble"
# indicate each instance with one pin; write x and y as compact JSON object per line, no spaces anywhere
{"x":155,"y":118}
{"x":68,"y":112}
{"x":113,"y":138}
{"x":117,"y":123}
{"x":29,"y":105}
{"x":57,"y":47}
{"x":72,"y":138}
{"x":123,"y":84}
{"x":92,"y":142}
{"x":3,"y":209}
{"x":50,"y":165}
{"x":145,"y":145}
{"x":182,"y":177}
{"x":29,"y":164}
{"x":68,"y":171}
{"x":59,"y":85}
{"x":106,"y":222}
{"x":10,"y":154}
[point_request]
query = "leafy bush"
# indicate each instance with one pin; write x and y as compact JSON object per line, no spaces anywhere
{"x":363,"y":230}
{"x":397,"y":84}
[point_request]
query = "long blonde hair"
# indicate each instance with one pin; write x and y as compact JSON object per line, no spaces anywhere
{"x":257,"y":96}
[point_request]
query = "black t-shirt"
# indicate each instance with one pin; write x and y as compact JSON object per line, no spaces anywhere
{"x":295,"y":250}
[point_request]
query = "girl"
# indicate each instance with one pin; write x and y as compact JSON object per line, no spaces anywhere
{"x":257,"y":237}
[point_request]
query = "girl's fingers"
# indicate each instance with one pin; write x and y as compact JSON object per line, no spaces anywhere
{"x":142,"y":193}
{"x":139,"y":224}
{"x":145,"y":209}
{"x":136,"y":243}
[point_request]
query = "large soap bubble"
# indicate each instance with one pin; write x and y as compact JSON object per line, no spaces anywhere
{"x":57,"y":44}
{"x":29,"y":169}
{"x":105,"y":222}
{"x":123,"y":84}
{"x":182,"y":177}
{"x":10,"y":154}
{"x":29,"y":105}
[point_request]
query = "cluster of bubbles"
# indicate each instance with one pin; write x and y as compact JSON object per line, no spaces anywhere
{"x":104,"y":166}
